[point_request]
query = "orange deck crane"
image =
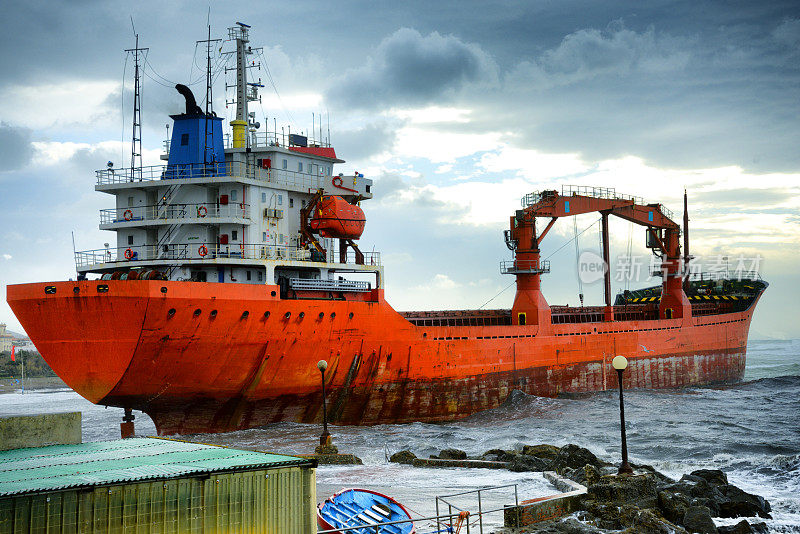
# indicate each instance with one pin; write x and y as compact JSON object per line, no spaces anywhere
{"x":663,"y":234}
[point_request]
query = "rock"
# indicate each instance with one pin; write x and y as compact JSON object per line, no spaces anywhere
{"x":649,"y":521}
{"x":714,"y":477}
{"x":743,"y":527}
{"x":637,"y":490}
{"x":673,"y":505}
{"x":700,"y":491}
{"x":739,"y":503}
{"x":548,"y":452}
{"x":698,"y":519}
{"x":451,"y":454}
{"x":568,"y":525}
{"x":498,"y":455}
{"x":661,"y":478}
{"x":591,"y":476}
{"x":573,"y":457}
{"x":403,"y":457}
{"x":521,"y":463}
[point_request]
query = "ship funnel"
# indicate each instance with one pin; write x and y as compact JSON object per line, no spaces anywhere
{"x":191,"y":104}
{"x":196,"y":148}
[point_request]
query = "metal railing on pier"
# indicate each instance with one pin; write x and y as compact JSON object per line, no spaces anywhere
{"x":443,"y":522}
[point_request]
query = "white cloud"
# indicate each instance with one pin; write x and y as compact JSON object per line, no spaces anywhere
{"x":442,"y":146}
{"x":45,"y":105}
{"x":6,"y":256}
{"x":532,"y":163}
{"x":49,"y":153}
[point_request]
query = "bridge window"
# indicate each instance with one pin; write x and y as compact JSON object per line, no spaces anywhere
{"x":299,"y":166}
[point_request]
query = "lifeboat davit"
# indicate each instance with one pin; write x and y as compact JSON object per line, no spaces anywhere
{"x":337,"y":218}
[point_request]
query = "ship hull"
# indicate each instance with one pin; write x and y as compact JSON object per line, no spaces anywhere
{"x":209,"y":357}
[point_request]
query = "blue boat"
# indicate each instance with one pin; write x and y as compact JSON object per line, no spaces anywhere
{"x":363,"y":508}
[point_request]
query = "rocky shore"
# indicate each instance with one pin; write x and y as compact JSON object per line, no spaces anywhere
{"x":646,"y":501}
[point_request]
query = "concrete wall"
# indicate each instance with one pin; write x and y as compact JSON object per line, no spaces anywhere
{"x":546,"y":508}
{"x":17,"y":432}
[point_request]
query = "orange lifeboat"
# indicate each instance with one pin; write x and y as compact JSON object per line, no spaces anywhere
{"x":337,"y":218}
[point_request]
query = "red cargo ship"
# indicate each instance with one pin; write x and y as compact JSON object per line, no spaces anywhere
{"x":224,"y":290}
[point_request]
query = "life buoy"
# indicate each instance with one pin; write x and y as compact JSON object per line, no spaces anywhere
{"x":202,"y":211}
{"x":202,"y":250}
{"x":128,"y":254}
{"x":128,"y":215}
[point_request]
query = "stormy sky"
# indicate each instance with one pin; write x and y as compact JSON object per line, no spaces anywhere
{"x":454,"y":109}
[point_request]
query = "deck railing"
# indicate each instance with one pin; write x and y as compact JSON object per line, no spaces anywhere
{"x":230,"y":169}
{"x":524,"y":266}
{"x":201,"y":210}
{"x":609,"y":193}
{"x":198,"y":251}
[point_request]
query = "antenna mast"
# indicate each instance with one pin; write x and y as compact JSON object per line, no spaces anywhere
{"x":207,"y":143}
{"x":245,"y":92}
{"x":136,"y":142}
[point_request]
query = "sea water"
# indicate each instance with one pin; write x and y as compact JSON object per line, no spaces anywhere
{"x":750,"y":430}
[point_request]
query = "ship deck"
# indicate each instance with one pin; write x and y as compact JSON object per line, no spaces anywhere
{"x":643,"y":311}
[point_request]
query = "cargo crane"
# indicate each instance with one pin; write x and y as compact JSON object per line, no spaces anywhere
{"x":663,"y":235}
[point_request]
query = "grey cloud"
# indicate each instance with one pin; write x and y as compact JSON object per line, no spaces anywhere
{"x":616,"y":50}
{"x":16,"y":150}
{"x":387,"y":185}
{"x":374,"y":138}
{"x":411,"y":69}
{"x":724,"y":97}
{"x":788,"y":33}
{"x":745,"y":198}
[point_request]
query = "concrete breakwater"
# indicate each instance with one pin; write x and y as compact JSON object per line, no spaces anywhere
{"x":598,"y":500}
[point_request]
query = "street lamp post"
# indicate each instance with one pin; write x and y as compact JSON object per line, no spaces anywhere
{"x":325,"y":438}
{"x":620,"y":363}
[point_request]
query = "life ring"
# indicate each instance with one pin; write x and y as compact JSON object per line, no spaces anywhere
{"x":202,"y":211}
{"x":202,"y":250}
{"x":128,"y":254}
{"x":128,"y":215}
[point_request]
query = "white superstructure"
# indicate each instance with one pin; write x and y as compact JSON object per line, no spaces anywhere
{"x":235,"y":221}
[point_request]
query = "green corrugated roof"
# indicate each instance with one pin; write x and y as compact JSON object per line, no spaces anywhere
{"x":112,"y":462}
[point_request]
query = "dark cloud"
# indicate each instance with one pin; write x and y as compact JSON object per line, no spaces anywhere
{"x":16,"y":150}
{"x":679,"y":101}
{"x":411,"y":69}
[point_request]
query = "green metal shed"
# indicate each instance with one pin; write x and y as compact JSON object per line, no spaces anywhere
{"x":148,"y":485}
